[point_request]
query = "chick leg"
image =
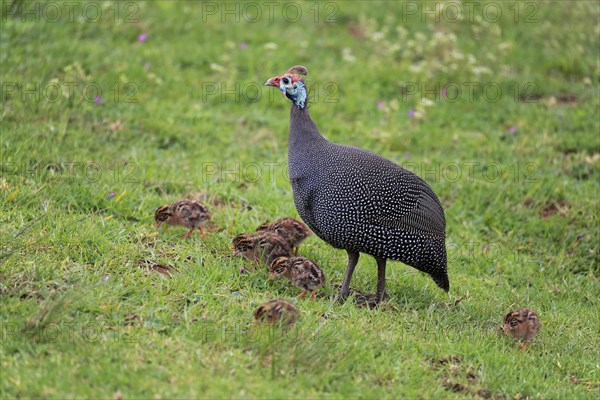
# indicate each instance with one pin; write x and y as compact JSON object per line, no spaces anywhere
{"x":187,"y":235}
{"x":523,"y":347}
{"x":301,"y":295}
{"x":345,"y":289}
{"x":312,"y":296}
{"x":201,"y":231}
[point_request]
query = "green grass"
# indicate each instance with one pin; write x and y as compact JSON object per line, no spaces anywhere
{"x":81,"y":318}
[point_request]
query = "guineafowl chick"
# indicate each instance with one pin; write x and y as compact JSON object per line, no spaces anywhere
{"x":290,"y":229}
{"x":358,"y":201}
{"x":303,"y":273}
{"x":522,"y":324}
{"x":277,"y":310}
{"x":188,"y":213}
{"x":260,"y":247}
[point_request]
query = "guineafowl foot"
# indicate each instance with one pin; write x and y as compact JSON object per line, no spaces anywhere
{"x":377,"y":298}
{"x":341,"y":297}
{"x":370,"y":300}
{"x":374,"y":299}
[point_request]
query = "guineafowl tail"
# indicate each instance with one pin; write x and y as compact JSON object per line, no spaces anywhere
{"x":442,"y":281}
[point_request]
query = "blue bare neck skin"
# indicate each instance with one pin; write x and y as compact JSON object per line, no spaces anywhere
{"x":298,"y":94}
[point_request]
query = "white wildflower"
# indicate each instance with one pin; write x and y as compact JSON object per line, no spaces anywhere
{"x":377,"y":36}
{"x":347,"y":54}
{"x":217,"y":67}
{"x":481,"y":71}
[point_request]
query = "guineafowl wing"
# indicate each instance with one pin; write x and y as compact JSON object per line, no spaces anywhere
{"x":402,"y":199}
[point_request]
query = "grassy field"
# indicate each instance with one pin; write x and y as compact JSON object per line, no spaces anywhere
{"x":111,"y":109}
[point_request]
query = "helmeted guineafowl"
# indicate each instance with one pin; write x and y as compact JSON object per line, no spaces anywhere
{"x":359,"y":201}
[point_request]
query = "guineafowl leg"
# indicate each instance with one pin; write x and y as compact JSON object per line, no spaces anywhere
{"x":373,"y":300}
{"x":380,"y":279}
{"x":345,"y":289}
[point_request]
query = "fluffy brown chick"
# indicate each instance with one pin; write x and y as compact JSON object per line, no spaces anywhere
{"x":261,"y":246}
{"x":303,"y":273}
{"x":277,"y":310}
{"x":290,"y":229}
{"x":522,"y":324}
{"x":188,"y":213}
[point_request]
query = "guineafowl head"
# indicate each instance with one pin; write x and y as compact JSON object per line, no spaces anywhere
{"x":291,"y":85}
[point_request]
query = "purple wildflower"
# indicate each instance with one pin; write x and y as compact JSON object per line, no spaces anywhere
{"x":105,"y":278}
{"x":98,"y":99}
{"x":142,"y":37}
{"x":411,"y":113}
{"x":512,"y":130}
{"x":243,"y":45}
{"x":379,"y":104}
{"x":111,"y":195}
{"x":242,"y":270}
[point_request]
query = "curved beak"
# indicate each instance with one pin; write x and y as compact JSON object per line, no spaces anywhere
{"x":271,"y":83}
{"x":274,"y":81}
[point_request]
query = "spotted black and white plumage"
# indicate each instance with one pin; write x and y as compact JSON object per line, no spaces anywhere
{"x":290,"y":229}
{"x":188,"y":213}
{"x":303,"y":273}
{"x":361,"y":202}
{"x":261,"y":246}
